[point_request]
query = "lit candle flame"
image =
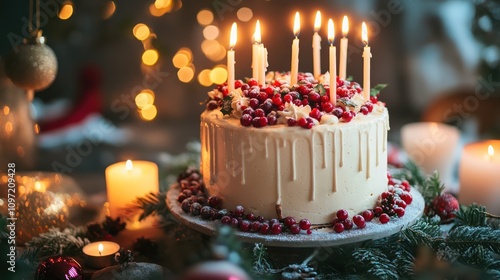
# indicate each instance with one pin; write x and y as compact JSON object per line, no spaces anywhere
{"x":317,"y":21}
{"x":296,"y":25}
{"x":39,"y":187}
{"x":232,"y":39}
{"x":345,"y":26}
{"x":491,"y":151}
{"x":364,"y":33}
{"x":100,"y":248}
{"x":331,"y":31}
{"x":256,"y":35}
{"x":128,"y":165}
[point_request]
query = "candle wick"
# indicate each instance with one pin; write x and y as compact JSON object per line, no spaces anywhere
{"x":100,"y":253}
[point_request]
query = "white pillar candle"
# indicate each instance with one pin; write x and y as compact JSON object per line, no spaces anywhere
{"x":294,"y":73}
{"x":432,"y":146}
{"x":343,"y":49}
{"x":230,"y":59}
{"x":125,"y":181}
{"x":333,"y":63}
{"x":316,"y":46}
{"x":256,"y":51}
{"x":366,"y":62}
{"x":479,"y":174}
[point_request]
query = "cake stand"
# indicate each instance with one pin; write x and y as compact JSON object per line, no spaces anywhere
{"x":319,"y":237}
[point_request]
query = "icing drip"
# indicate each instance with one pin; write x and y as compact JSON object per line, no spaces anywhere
{"x":277,"y":172}
{"x":250,"y":144}
{"x":242,"y":151}
{"x":385,"y":136}
{"x":294,"y":163}
{"x":367,"y":154}
{"x":360,"y":157}
{"x":324,"y":151}
{"x":313,"y":168}
{"x":341,"y":149}
{"x":212,"y":152}
{"x":266,"y":147}
{"x":376,"y":145}
{"x":334,"y":164}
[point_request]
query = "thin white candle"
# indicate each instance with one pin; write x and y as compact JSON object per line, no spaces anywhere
{"x":366,"y":62}
{"x":294,"y":73}
{"x":262,"y":65}
{"x":316,"y":46}
{"x":256,"y":51}
{"x":333,"y":63}
{"x":343,"y":49}
{"x":230,"y":59}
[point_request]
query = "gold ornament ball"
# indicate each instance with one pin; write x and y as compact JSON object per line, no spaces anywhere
{"x":33,"y":66}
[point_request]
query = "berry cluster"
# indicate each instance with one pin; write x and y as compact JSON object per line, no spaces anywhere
{"x":193,"y":200}
{"x":266,"y":101}
{"x":342,"y":222}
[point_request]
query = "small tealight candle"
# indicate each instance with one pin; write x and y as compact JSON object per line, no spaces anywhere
{"x":100,"y":254}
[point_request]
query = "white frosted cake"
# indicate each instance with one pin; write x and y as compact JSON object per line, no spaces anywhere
{"x":308,"y":159}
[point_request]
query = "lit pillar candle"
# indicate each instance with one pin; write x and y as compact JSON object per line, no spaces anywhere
{"x":333,"y":63}
{"x":125,"y":181}
{"x":479,"y":175}
{"x":230,"y":59}
{"x":316,"y":46}
{"x":343,"y":49}
{"x":256,"y":51}
{"x":294,"y":73}
{"x":366,"y":62}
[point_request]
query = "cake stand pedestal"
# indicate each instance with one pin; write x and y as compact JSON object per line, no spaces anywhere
{"x":318,"y":238}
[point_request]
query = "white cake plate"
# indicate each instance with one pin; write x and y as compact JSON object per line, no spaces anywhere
{"x":319,"y":237}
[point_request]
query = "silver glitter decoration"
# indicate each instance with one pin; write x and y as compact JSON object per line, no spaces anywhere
{"x":33,"y":66}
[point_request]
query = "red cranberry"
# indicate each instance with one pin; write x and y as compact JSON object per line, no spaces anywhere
{"x":302,"y":122}
{"x":369,"y":106}
{"x":302,"y":89}
{"x":248,"y":111}
{"x":276,"y":228}
{"x":238,"y":83}
{"x":181,"y":197}
{"x":347,"y":224}
{"x":327,"y":106}
{"x":269,"y":90}
{"x":297,"y":102}
{"x":384,"y":218}
{"x":309,"y":231}
{"x":262,"y":122}
{"x":400,"y":203}
{"x":384,"y":195}
{"x":338,"y":112}
{"x":314,"y":96}
{"x":288,"y":98}
{"x":373,"y":99}
{"x":254,"y":103}
{"x":342,"y":214}
{"x":364,"y":110}
{"x":294,"y":229}
{"x":271,"y":119}
{"x":239,"y":211}
{"x":265,"y":228}
{"x":407,"y":197}
{"x":212,"y":105}
{"x":347,"y":116}
{"x":289,"y":221}
{"x":225,"y":220}
{"x":359,"y":221}
{"x":267,"y":105}
{"x":246,"y":120}
{"x":256,"y":121}
{"x":260,"y":219}
{"x":274,"y":221}
{"x":291,"y":122}
{"x":338,"y":227}
{"x":251,"y":216}
{"x":255,"y":226}
{"x":260,"y":113}
{"x":400,"y":211}
{"x":315,"y":113}
{"x":234,"y":222}
{"x":185,"y":205}
{"x":245,"y":225}
{"x":277,"y":100}
{"x":206,"y":212}
{"x":305,"y":102}
{"x":368,"y":215}
{"x":305,"y":224}
{"x":214,"y":201}
{"x":378,"y":211}
{"x":252,"y":82}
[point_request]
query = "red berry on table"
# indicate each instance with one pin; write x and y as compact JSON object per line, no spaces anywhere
{"x":255,"y":226}
{"x":384,"y":218}
{"x":445,"y":206}
{"x":347,"y":224}
{"x":214,"y":201}
{"x":342,"y":214}
{"x":274,"y":221}
{"x":406,"y":197}
{"x":251,"y":216}
{"x":384,"y":195}
{"x":309,"y":231}
{"x":406,"y":185}
{"x":359,"y":221}
{"x":294,"y":229}
{"x":276,"y":228}
{"x":289,"y":221}
{"x":225,"y":220}
{"x":245,"y":225}
{"x":305,"y":224}
{"x":400,"y":211}
{"x":368,"y":215}
{"x":264,"y":228}
{"x":239,"y":211}
{"x":234,"y":222}
{"x":338,"y":227}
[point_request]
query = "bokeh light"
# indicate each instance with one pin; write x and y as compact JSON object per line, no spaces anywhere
{"x":205,"y":17}
{"x":218,"y":75}
{"x":186,"y":74}
{"x":109,"y":10}
{"x":211,"y":32}
{"x":6,"y":110}
{"x":141,"y":31}
{"x":204,"y":78}
{"x":148,"y":113}
{"x":150,"y":57}
{"x":244,"y":14}
{"x":162,"y":4}
{"x":144,"y":98}
{"x":182,"y":58}
{"x":66,"y":11}
{"x":213,"y":50}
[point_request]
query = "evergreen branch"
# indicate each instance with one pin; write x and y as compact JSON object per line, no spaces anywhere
{"x":260,"y":261}
{"x":423,"y":233}
{"x":473,"y":215}
{"x":374,"y":263}
{"x":405,"y":260}
{"x":410,"y":172}
{"x":151,"y":204}
{"x":465,"y":237}
{"x":431,"y":188}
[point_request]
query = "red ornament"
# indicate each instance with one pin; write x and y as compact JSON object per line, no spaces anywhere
{"x":59,"y":268}
{"x":445,"y":206}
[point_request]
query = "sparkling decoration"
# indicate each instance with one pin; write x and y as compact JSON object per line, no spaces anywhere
{"x":44,"y":201}
{"x":215,"y":270}
{"x":59,"y":268}
{"x":33,"y":66}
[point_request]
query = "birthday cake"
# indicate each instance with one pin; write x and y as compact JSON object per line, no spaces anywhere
{"x":287,"y":150}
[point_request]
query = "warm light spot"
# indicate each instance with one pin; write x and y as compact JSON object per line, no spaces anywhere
{"x":205,"y":17}
{"x":66,"y":11}
{"x":109,"y":10}
{"x":36,"y":127}
{"x":211,"y":32}
{"x":296,"y":24}
{"x":345,"y":26}
{"x":55,"y":207}
{"x":491,"y":151}
{"x":100,"y":248}
{"x":185,"y":74}
{"x":256,"y":35}
{"x":158,"y":12}
{"x":244,"y":14}
{"x":162,"y":4}
{"x":39,"y":186}
{"x":6,"y":110}
{"x":180,"y":60}
{"x":8,"y":127}
{"x":144,"y":98}
{"x":150,"y":57}
{"x":218,"y":75}
{"x":331,"y":31}
{"x":317,"y":21}
{"x":213,"y":50}
{"x":204,"y":78}
{"x":364,"y":33}
{"x":149,"y":112}
{"x":234,"y":36}
{"x":141,"y":31}
{"x":129,"y":165}
{"x":1,"y":202}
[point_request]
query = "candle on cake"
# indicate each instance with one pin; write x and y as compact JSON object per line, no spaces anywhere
{"x":316,"y":46}
{"x":333,"y":63}
{"x":294,"y":73}
{"x":479,"y":175}
{"x":366,"y":62}
{"x":125,"y":181}
{"x":256,"y":51}
{"x":343,"y":49}
{"x":230,"y":58}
